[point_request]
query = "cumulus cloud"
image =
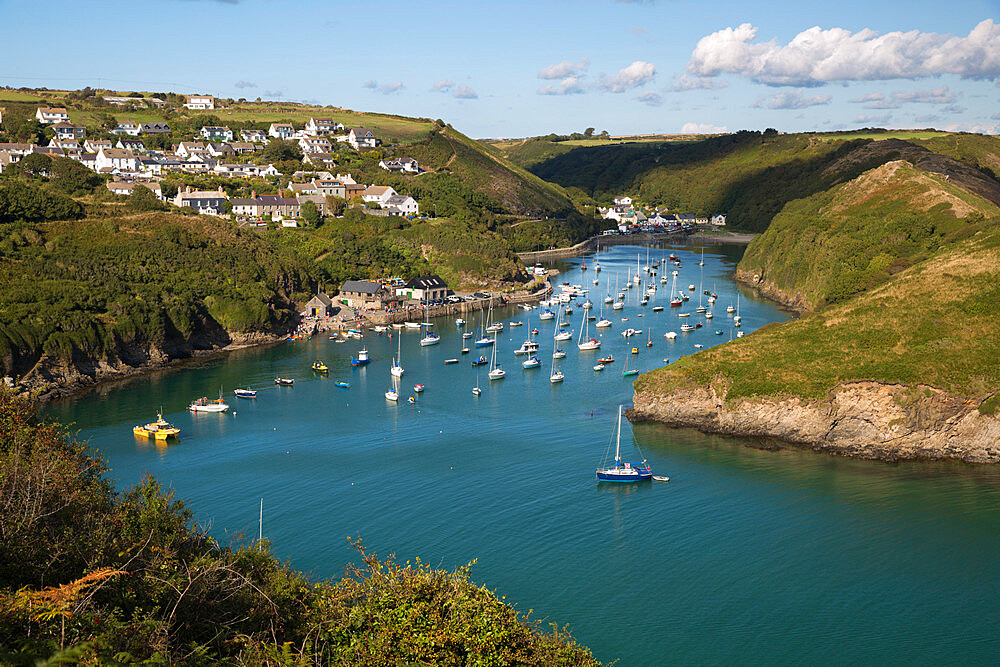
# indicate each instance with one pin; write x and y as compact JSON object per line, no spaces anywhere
{"x":685,"y":82}
{"x":245,"y":84}
{"x":385,"y":89}
{"x":442,"y":86}
{"x":637,"y":74}
{"x":272,"y":93}
{"x":980,"y":128}
{"x":650,"y":99}
{"x":870,"y":97}
{"x":571,"y":85}
{"x":953,"y":108}
{"x":816,"y":56}
{"x":564,"y":69}
{"x":872,"y":119}
{"x":703,"y":128}
{"x":795,"y":100}
{"x":464,"y":93}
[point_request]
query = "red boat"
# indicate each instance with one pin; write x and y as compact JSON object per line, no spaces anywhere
{"x":673,"y":257}
{"x":676,"y":303}
{"x":606,"y":360}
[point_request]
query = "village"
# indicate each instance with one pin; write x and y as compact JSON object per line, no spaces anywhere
{"x":218,"y":151}
{"x":633,"y":218}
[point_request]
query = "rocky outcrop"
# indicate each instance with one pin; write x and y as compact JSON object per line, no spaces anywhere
{"x":863,"y":419}
{"x":54,"y":377}
{"x":791,"y":299}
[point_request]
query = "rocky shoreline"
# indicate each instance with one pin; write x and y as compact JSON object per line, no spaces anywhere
{"x":867,"y":420}
{"x":61,"y":379}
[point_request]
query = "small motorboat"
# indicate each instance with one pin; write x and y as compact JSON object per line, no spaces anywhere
{"x":411,"y":325}
{"x":607,"y":360}
{"x":657,"y":309}
{"x":635,"y":350}
{"x":342,"y":384}
{"x":534,"y":332}
{"x":683,"y":314}
{"x":465,"y":350}
{"x":418,"y":388}
{"x":718,"y":332}
{"x":558,"y":354}
{"x":245,"y":393}
{"x":479,"y":361}
{"x":320,"y":367}
{"x":459,"y":322}
{"x":670,"y":335}
{"x":286,"y":382}
{"x":467,"y":334}
{"x":362,"y":358}
{"x":205,"y":405}
{"x":516,"y":323}
{"x":158,"y":430}
{"x":599,"y":367}
{"x":448,"y":362}
{"x":739,"y":334}
{"x":698,"y":346}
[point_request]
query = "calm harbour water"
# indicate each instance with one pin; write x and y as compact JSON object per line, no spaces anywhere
{"x":747,"y":554}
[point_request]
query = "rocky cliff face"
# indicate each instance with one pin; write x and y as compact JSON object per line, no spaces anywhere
{"x":862,"y":419}
{"x":53,"y":377}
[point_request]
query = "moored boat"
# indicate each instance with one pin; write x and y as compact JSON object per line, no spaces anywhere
{"x":158,"y":430}
{"x":286,"y":382}
{"x":245,"y":393}
{"x":623,"y":472}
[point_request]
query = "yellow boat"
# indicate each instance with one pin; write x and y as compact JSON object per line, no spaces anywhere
{"x":160,"y":429}
{"x":320,"y":367}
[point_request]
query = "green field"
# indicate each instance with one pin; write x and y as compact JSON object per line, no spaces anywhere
{"x":906,"y":135}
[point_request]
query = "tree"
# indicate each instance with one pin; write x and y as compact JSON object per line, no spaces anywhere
{"x":336,"y":205}
{"x":35,"y":164}
{"x":143,"y":199}
{"x":588,"y":133}
{"x":72,"y":177}
{"x":23,"y":128}
{"x":280,"y":149}
{"x":310,"y":213}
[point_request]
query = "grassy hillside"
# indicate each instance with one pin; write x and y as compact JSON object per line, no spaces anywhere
{"x":751,"y":176}
{"x":100,"y":288}
{"x":933,"y":324}
{"x":827,"y":247}
{"x":91,"y":576}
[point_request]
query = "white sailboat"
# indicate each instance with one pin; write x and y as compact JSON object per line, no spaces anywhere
{"x":476,"y":391}
{"x":392,"y":394}
{"x":736,"y":318}
{"x":430,"y":338}
{"x":496,"y":373}
{"x":618,"y":304}
{"x":397,"y":361}
{"x":556,"y":375}
{"x":597,"y":265}
{"x":560,"y":334}
{"x":701,"y":284}
{"x":636,"y":279}
{"x":585,"y":342}
{"x":603,"y":322}
{"x":627,"y":472}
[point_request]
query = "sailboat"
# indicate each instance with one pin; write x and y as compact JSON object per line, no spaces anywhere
{"x":392,"y":394}
{"x":397,"y":361}
{"x":649,"y":337}
{"x":476,"y":391}
{"x":618,"y":303}
{"x":645,"y":269}
{"x":556,"y":376}
{"x":597,"y":265}
{"x":702,"y":262}
{"x":736,"y":318}
{"x":430,"y":338}
{"x":493,"y":327}
{"x":484,"y":340}
{"x":675,"y":300}
{"x":589,"y":343}
{"x":496,"y":373}
{"x":630,"y":371}
{"x":603,"y":322}
{"x":627,"y":472}
{"x":636,"y":279}
{"x":561,"y":335}
{"x":701,"y":282}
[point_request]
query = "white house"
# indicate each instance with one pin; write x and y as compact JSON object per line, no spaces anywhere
{"x":66,"y":130}
{"x":200,"y":102}
{"x":281,"y":130}
{"x":317,"y":127}
{"x":124,"y":188}
{"x":208,"y":202}
{"x":362,"y":137}
{"x":402,"y":205}
{"x":213,"y":133}
{"x":134,"y":145}
{"x":378,"y":194}
{"x":189,"y":148}
{"x":116,"y":159}
{"x":623,"y":201}
{"x":51,"y":115}
{"x":254,"y":136}
{"x":406,"y":164}
{"x":95,"y":145}
{"x":242,"y":147}
{"x":718,"y":219}
{"x":315,"y":145}
{"x":128,"y":127}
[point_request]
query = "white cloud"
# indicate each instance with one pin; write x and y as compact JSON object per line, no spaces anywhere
{"x":272,"y":93}
{"x":569,"y":86}
{"x":980,"y":128}
{"x":953,"y":108}
{"x":929,"y":118}
{"x":870,"y":97}
{"x":442,"y":86}
{"x":872,"y":119}
{"x":627,"y":78}
{"x":816,"y":56}
{"x":564,"y":69}
{"x":385,"y":89}
{"x":703,"y":128}
{"x":464,"y":93}
{"x":794,"y":100}
{"x":937,"y":96}
{"x":650,"y":99}
{"x":245,"y":84}
{"x":685,"y":82}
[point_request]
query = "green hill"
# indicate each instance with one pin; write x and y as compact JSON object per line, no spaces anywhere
{"x":750,"y":176}
{"x":902,"y":267}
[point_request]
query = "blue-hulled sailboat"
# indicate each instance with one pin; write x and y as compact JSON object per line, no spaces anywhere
{"x":623,"y":472}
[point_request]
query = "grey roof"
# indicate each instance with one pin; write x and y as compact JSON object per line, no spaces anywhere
{"x":426,"y":282}
{"x":363,"y":286}
{"x":322,"y":298}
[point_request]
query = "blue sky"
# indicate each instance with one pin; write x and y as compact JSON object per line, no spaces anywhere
{"x":516,"y":68}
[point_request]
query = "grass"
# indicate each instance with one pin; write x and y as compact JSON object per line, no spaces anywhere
{"x":831,"y":245}
{"x":934,"y":324}
{"x":906,"y":135}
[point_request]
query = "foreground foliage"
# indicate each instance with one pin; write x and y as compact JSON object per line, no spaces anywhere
{"x":93,"y":576}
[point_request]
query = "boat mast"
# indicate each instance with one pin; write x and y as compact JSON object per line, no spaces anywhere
{"x":260,"y":525}
{"x":618,"y":441}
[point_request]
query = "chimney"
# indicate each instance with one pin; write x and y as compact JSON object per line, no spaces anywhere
{"x":253,"y":194}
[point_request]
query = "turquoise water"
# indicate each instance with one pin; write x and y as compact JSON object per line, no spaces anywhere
{"x":748,"y":554}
